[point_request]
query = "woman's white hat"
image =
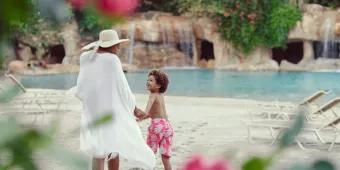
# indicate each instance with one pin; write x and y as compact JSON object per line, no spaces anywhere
{"x":107,"y":38}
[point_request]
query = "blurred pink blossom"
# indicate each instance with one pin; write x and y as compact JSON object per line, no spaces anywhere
{"x":78,"y":4}
{"x":198,"y":162}
{"x":117,"y":7}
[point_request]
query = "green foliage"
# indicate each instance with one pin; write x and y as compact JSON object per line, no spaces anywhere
{"x":248,"y":24}
{"x":317,"y":165}
{"x":160,"y":5}
{"x":68,"y":158}
{"x":1,"y":61}
{"x":13,"y":14}
{"x":322,"y":165}
{"x":279,"y":22}
{"x":289,"y":136}
{"x":8,"y":93}
{"x":103,"y":120}
{"x":255,"y":163}
{"x":18,"y":145}
{"x":90,"y":22}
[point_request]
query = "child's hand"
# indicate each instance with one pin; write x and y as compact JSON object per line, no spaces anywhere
{"x":138,"y":113}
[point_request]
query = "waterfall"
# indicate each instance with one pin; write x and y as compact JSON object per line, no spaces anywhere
{"x":132,"y":28}
{"x":330,"y":45}
{"x":176,"y":47}
{"x":167,"y":35}
{"x":186,"y":41}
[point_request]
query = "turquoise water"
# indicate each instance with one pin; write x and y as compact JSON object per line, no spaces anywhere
{"x":284,"y":86}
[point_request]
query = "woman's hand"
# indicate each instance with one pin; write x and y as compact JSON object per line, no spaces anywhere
{"x":139,"y":113}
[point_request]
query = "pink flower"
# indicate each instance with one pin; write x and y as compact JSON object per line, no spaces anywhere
{"x":117,"y":7}
{"x":198,"y":162}
{"x":78,"y":4}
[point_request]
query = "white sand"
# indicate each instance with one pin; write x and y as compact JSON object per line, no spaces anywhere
{"x":212,"y":126}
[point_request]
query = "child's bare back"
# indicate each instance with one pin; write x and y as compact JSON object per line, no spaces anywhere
{"x":156,"y":106}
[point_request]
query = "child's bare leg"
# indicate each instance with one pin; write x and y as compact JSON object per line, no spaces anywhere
{"x":166,"y":162}
{"x":113,"y":163}
{"x":97,"y":163}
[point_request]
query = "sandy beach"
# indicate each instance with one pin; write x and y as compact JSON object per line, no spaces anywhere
{"x":215,"y":127}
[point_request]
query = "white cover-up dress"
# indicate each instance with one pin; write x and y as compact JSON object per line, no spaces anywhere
{"x":102,"y":87}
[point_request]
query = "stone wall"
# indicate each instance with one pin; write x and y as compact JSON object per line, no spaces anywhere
{"x":160,"y":40}
{"x":157,"y":28}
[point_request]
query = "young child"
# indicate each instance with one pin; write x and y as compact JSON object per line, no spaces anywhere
{"x":160,"y":132}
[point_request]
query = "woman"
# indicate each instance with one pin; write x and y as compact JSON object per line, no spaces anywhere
{"x":103,"y":89}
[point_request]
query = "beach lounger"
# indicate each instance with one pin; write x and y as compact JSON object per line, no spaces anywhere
{"x":277,"y":111}
{"x":17,"y":82}
{"x":42,"y":102}
{"x":312,"y":126}
{"x":328,"y":106}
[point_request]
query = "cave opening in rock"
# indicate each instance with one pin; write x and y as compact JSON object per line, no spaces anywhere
{"x":207,"y":50}
{"x":293,"y":52}
{"x":23,"y":51}
{"x":329,"y":49}
{"x":56,"y":54}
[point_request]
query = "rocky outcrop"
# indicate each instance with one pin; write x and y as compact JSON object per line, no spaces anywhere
{"x":160,"y":39}
{"x":50,"y":45}
{"x":17,"y":66}
{"x":71,"y":39}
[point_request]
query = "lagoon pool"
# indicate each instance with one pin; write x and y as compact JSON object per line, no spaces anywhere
{"x":283,"y":86}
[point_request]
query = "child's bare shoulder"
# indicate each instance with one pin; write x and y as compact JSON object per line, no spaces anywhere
{"x":155,"y":96}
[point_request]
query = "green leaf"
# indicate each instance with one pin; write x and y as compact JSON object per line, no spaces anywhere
{"x":256,"y":163}
{"x":9,"y":130}
{"x":299,"y":167}
{"x":102,"y":121}
{"x":8,"y":92}
{"x":290,"y":134}
{"x":68,"y":158}
{"x":323,"y":165}
{"x":37,"y":139}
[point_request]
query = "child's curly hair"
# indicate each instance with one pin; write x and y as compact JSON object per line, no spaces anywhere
{"x":161,"y":79}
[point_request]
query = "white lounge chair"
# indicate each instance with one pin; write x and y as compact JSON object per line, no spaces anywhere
{"x":328,"y":106}
{"x":280,"y":127}
{"x":277,"y":127}
{"x":276,"y":111}
{"x":34,"y":102}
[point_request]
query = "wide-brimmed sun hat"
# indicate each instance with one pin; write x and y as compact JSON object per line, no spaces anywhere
{"x":107,"y":38}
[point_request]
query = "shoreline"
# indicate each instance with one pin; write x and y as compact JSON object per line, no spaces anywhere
{"x":187,"y":97}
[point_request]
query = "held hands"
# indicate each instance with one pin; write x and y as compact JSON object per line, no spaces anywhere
{"x":139,"y":114}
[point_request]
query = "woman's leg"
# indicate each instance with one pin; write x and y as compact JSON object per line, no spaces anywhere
{"x":166,"y":162}
{"x":97,"y":163}
{"x":113,"y":163}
